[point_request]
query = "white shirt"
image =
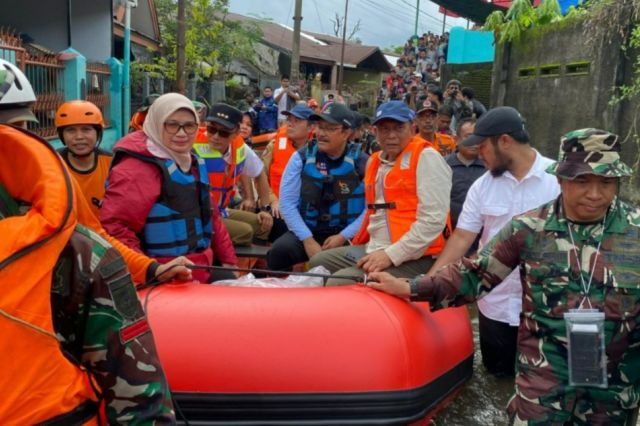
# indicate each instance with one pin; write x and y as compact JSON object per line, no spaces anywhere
{"x":491,"y":203}
{"x":282,"y":103}
{"x":252,"y":164}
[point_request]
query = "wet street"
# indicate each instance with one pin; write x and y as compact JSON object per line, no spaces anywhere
{"x":484,"y":398}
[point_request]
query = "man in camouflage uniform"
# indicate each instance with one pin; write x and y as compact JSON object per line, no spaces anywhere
{"x":586,"y":235}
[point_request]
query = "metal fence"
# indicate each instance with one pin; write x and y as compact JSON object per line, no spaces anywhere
{"x":98,"y":84}
{"x":46,"y":75}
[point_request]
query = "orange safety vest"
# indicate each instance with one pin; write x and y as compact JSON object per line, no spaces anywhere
{"x":444,"y":144}
{"x":223,"y":177}
{"x":37,"y":382}
{"x":202,"y":135}
{"x":400,"y":190}
{"x":282,"y":151}
{"x":137,"y":121}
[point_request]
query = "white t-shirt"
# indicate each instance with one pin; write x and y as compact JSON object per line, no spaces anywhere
{"x":282,"y":103}
{"x":252,"y":164}
{"x":491,"y":203}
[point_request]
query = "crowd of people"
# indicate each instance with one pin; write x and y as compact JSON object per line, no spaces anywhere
{"x":403,"y":198}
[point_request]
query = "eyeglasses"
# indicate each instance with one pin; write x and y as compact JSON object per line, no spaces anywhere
{"x":212,"y":130}
{"x":173,"y":127}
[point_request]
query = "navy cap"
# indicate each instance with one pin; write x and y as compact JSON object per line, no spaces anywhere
{"x":394,"y":110}
{"x":225,"y":115}
{"x":335,"y":113}
{"x":300,"y":111}
{"x":498,"y":121}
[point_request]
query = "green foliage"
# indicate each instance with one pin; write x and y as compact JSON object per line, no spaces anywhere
{"x":520,"y":17}
{"x":494,"y":21}
{"x":211,"y":40}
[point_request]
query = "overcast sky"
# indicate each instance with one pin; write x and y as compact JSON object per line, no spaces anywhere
{"x":382,"y":22}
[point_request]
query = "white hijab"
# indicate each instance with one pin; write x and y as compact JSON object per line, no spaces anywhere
{"x":153,"y":127}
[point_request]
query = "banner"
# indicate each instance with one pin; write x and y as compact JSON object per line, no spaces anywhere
{"x":448,"y":12}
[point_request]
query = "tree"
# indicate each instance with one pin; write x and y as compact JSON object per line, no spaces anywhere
{"x":211,"y":42}
{"x":337,"y":27}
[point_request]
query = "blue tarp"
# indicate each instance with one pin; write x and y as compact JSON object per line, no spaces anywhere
{"x":565,"y":4}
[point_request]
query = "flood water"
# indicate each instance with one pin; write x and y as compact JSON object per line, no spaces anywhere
{"x":484,"y":399}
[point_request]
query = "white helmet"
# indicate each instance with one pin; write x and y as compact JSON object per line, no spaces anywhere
{"x":14,"y":86}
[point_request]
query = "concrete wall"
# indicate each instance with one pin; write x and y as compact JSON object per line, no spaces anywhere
{"x":559,"y":83}
{"x":46,"y":23}
{"x":477,"y":76}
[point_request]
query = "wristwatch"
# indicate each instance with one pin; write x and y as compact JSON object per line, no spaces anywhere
{"x":413,"y":287}
{"x":266,"y":208}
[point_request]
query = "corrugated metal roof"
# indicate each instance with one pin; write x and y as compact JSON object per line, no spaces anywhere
{"x":317,"y":48}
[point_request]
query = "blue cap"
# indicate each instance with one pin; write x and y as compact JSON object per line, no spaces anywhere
{"x":394,"y":110}
{"x":300,"y":111}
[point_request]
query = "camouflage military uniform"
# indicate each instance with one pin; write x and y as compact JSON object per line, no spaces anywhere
{"x":100,"y":323}
{"x":541,"y":243}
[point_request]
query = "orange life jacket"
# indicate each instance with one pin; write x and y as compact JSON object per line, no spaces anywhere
{"x":202,"y":136}
{"x":137,"y":120}
{"x":282,"y":151}
{"x":442,"y":143}
{"x":223,"y":177}
{"x":37,"y":382}
{"x":400,"y":191}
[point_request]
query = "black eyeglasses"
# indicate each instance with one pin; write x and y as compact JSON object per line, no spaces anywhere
{"x":212,"y":130}
{"x":173,"y":127}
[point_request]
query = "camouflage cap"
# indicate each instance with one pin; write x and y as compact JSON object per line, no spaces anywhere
{"x":589,"y":151}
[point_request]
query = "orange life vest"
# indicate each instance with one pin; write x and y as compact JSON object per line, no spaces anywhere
{"x":442,"y":143}
{"x":201,"y":135}
{"x":137,"y":120}
{"x":282,"y":151}
{"x":400,"y":191}
{"x":37,"y":382}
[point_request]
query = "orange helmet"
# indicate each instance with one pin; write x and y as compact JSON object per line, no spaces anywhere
{"x":78,"y":112}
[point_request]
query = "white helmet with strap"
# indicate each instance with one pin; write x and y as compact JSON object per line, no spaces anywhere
{"x":14,"y":86}
{"x":16,"y":95}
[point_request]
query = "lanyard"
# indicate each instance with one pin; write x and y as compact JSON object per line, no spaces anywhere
{"x":586,"y":287}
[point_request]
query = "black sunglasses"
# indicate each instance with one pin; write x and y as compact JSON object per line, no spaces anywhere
{"x":212,"y":130}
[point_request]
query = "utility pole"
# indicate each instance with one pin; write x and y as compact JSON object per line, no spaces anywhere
{"x":344,"y":40}
{"x":180,"y":48}
{"x":415,"y":28}
{"x":444,"y":20}
{"x":295,"y":51}
{"x":126,"y":64}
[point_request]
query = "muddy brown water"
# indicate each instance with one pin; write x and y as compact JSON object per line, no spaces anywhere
{"x":484,"y":399}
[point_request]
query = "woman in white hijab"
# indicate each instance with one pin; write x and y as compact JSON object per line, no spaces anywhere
{"x":157,"y":198}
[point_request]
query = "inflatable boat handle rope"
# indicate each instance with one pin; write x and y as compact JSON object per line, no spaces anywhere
{"x":355,"y":278}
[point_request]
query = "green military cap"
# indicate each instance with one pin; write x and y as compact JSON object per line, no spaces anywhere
{"x":589,"y":151}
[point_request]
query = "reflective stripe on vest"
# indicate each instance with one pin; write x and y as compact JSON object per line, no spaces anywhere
{"x":43,"y":383}
{"x":400,"y":187}
{"x":282,"y":151}
{"x":328,"y":203}
{"x":180,"y":220}
{"x":223,"y":177}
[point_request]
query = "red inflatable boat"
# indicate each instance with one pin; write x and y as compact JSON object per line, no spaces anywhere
{"x":314,"y":356}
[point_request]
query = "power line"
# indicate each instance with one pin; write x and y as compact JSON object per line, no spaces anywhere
{"x":287,"y":22}
{"x":315,"y":4}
